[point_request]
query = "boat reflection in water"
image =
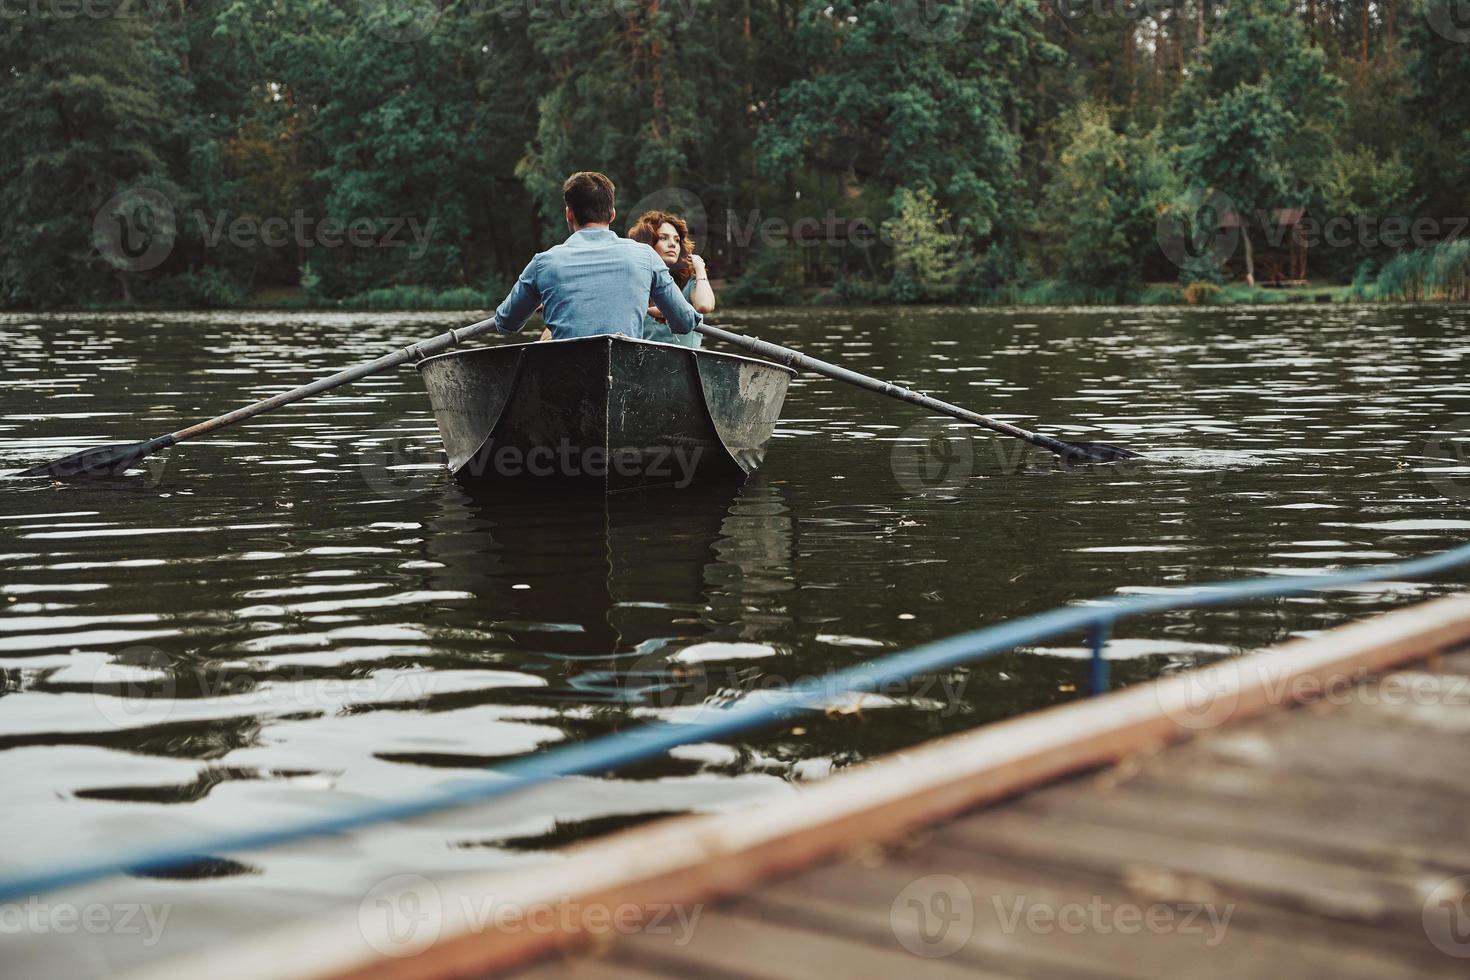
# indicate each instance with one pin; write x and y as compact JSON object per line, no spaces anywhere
{"x":610,"y":598}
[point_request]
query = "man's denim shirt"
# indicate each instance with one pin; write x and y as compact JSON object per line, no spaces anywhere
{"x":596,"y":283}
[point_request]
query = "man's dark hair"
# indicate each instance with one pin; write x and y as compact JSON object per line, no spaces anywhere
{"x":590,"y":196}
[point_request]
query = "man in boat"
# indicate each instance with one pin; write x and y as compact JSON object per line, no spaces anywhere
{"x":595,"y":282}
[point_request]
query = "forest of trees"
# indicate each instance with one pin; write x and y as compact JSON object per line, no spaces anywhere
{"x":201,"y":152}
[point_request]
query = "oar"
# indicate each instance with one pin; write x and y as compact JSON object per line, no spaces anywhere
{"x":1074,"y":452}
{"x":105,"y":460}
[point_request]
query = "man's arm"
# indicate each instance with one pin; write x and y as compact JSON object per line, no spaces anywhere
{"x":524,"y":297}
{"x":681,"y":317}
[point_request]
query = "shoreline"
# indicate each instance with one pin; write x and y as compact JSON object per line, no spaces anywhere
{"x":1038,"y":296}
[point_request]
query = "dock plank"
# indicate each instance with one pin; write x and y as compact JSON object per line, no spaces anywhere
{"x":1242,"y":938}
{"x":726,"y":939}
{"x":1377,"y":834}
{"x":1339,"y":747}
{"x":1273,"y":874}
{"x":1252,"y":940}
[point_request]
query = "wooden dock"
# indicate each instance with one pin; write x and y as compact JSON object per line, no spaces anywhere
{"x":1303,"y":811}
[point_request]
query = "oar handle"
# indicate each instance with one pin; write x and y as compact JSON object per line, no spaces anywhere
{"x":796,"y":359}
{"x":413,"y":352}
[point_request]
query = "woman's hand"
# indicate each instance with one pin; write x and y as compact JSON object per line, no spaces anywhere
{"x":656,"y":313}
{"x":703,"y":296}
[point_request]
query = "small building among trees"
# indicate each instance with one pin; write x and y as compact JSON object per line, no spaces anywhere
{"x":1275,"y":247}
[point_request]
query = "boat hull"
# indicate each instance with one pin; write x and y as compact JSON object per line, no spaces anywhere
{"x":605,"y":412}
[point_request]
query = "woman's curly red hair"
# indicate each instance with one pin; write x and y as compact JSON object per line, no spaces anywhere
{"x":645,"y":230}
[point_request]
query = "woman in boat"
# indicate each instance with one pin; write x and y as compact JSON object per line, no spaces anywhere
{"x":668,"y":234}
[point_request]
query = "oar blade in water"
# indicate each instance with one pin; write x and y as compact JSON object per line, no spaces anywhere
{"x":1098,"y":452}
{"x":95,"y":462}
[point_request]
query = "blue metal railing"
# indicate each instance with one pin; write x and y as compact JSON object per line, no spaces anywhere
{"x":768,"y":707}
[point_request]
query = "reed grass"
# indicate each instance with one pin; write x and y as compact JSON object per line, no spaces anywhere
{"x":1433,"y":275}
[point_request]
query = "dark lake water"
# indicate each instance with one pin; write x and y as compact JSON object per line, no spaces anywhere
{"x":304,"y":613}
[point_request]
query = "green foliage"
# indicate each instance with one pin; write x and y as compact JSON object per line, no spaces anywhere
{"x":1159,"y":295}
{"x":1241,"y":294}
{"x":1256,"y":123}
{"x":1005,"y":139}
{"x":1362,"y":280}
{"x":926,"y":254}
{"x":1439,"y":76}
{"x":1104,"y":199}
{"x":1201,"y":268}
{"x":770,"y":279}
{"x":656,"y":95}
{"x":853,"y":291}
{"x":1358,"y":183}
{"x":84,"y":122}
{"x":208,"y":288}
{"x":999,"y":266}
{"x":900,"y":112}
{"x":310,"y":283}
